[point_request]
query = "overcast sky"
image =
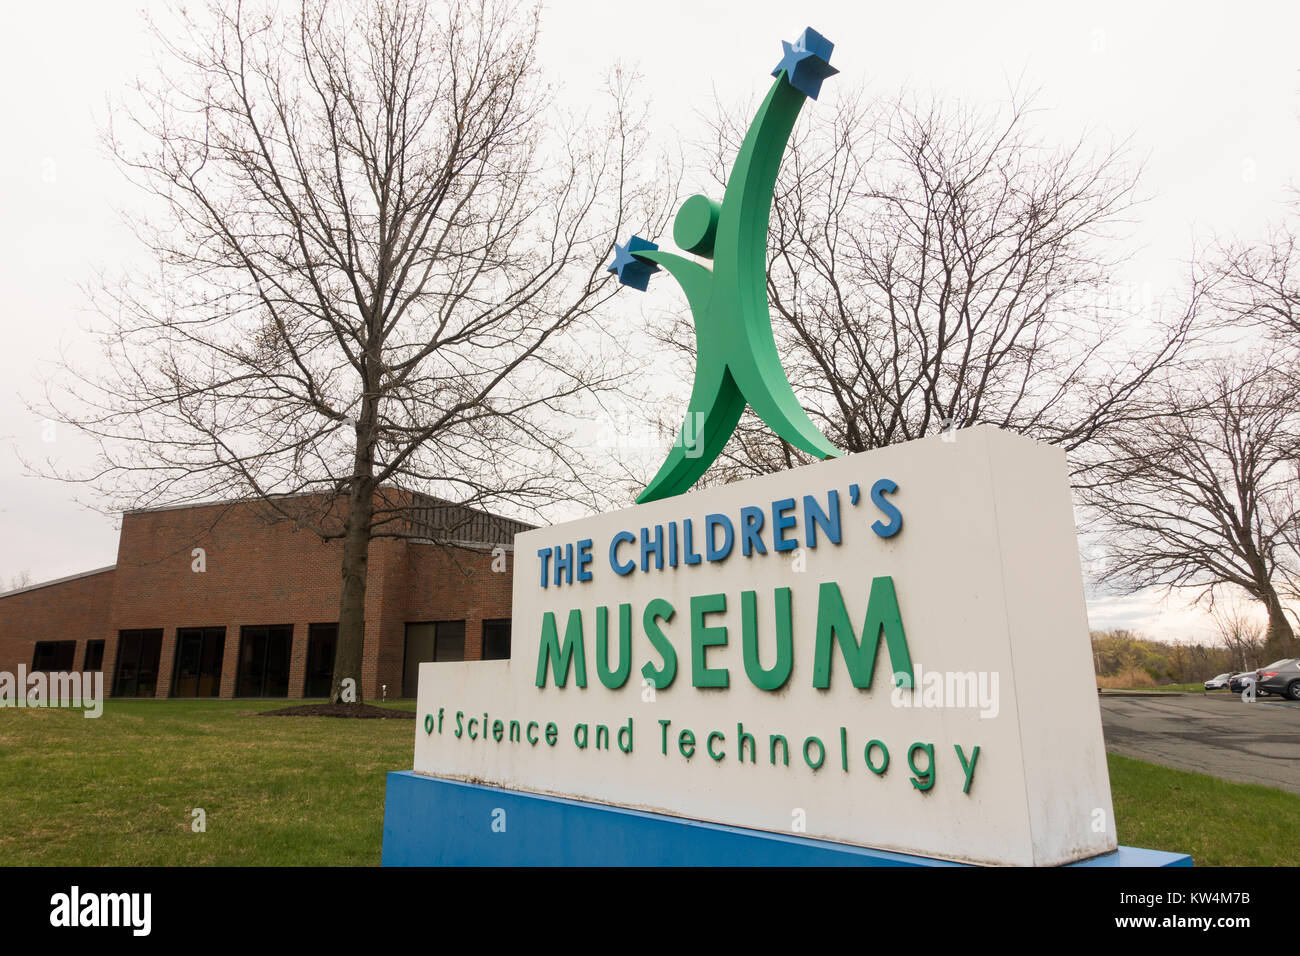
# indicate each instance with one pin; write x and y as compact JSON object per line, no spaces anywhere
{"x":1207,"y":95}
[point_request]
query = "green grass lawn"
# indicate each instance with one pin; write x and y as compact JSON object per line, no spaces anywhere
{"x":1218,"y":822}
{"x":119,"y":791}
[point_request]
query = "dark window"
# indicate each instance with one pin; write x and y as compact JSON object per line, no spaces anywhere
{"x":496,"y":640}
{"x":437,"y":641}
{"x":419,"y":647}
{"x":54,"y":656}
{"x":264,"y":661}
{"x":138,"y":653}
{"x":94,"y":656}
{"x":198,"y":661}
{"x":321,"y":641}
{"x":450,"y":644}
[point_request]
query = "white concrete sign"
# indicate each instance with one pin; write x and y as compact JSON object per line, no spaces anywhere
{"x":889,"y":649}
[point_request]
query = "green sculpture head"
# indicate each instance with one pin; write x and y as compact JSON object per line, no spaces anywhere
{"x":696,"y":225}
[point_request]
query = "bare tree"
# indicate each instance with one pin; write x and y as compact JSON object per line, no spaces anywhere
{"x":933,"y":266}
{"x":1202,"y":493}
{"x":23,"y":579}
{"x":377,"y":247}
{"x":1258,"y":285}
{"x":1253,"y":287}
{"x":1239,"y":631}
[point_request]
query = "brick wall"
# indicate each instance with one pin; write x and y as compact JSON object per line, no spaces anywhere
{"x":65,"y":611}
{"x":454,"y":584}
{"x":226,"y":565}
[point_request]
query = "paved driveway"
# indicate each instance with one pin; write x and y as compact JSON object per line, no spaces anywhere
{"x":1216,"y":733}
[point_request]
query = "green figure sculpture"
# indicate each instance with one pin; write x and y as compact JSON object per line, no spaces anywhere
{"x":736,"y":361}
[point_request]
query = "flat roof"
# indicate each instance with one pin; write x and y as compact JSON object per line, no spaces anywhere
{"x":46,"y":584}
{"x":429,"y":501}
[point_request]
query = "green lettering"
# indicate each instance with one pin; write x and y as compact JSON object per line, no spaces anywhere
{"x":967,"y":768}
{"x":742,"y":737}
{"x":821,"y":753}
{"x":709,"y":745}
{"x":684,"y":740}
{"x":703,"y":638}
{"x":775,"y":678}
{"x":860,"y":658}
{"x":884,"y":764}
{"x":659,"y":677}
{"x":614,"y":679}
{"x":923,"y":779}
{"x":561,"y":658}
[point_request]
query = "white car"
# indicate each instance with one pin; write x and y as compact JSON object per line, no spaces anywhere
{"x":1217,"y":683}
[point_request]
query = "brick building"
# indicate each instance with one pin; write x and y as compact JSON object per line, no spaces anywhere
{"x":222,"y":600}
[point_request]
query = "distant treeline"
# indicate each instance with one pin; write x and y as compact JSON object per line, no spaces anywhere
{"x":1125,"y":658}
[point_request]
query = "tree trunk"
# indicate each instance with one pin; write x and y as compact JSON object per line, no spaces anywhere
{"x":348,"y":652}
{"x":352,"y":603}
{"x":1281,"y":637}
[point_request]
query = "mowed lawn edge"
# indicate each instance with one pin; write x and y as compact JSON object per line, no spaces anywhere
{"x":121,"y":790}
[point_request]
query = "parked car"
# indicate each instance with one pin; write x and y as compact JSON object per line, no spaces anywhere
{"x":1239,"y":682}
{"x":1217,"y":683}
{"x":1281,"y":678}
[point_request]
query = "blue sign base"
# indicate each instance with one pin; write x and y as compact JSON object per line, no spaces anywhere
{"x":429,"y":821}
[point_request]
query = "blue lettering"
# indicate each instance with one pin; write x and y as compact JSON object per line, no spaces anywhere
{"x":781,"y":522}
{"x":619,"y":538}
{"x":713,"y":551}
{"x":878,"y":491}
{"x":564,"y":564}
{"x":688,"y":544}
{"x":751,"y":526}
{"x":584,"y":559}
{"x":653,"y":546}
{"x":814,"y":517}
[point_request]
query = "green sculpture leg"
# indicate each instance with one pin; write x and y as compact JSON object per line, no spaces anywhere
{"x":740,"y":256}
{"x":711,"y":416}
{"x":740,"y":270}
{"x":773,"y":400}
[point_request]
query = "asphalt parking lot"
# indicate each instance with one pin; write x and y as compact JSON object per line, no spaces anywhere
{"x":1215,"y":733}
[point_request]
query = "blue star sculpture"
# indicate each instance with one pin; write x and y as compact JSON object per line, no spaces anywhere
{"x":629,"y":269}
{"x":807,"y":62}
